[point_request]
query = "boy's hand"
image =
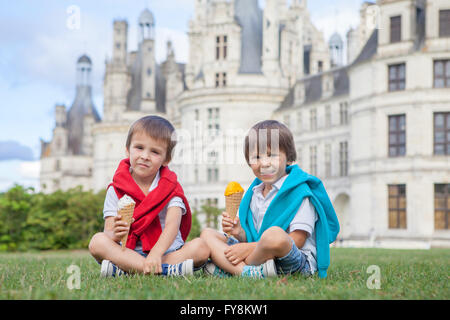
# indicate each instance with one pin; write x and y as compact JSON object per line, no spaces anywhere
{"x":152,"y":264}
{"x":230,"y":226}
{"x":120,"y":227}
{"x":239,"y":252}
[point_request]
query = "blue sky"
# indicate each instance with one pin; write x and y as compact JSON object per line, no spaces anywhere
{"x":39,"y":50}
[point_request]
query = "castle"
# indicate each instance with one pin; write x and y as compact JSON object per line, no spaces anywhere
{"x":376,"y":129}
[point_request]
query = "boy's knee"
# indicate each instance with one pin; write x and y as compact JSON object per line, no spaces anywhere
{"x":98,"y":240}
{"x":201,"y":248}
{"x":275,"y":238}
{"x":207,"y":233}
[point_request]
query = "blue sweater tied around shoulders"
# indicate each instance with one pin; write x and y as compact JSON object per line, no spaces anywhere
{"x":284,"y":207}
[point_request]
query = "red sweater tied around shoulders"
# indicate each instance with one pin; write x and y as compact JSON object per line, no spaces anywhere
{"x":146,"y":225}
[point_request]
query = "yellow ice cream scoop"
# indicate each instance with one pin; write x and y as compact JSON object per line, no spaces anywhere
{"x":233,"y":197}
{"x":233,"y":187}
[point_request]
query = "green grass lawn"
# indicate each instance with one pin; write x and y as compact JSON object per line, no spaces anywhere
{"x":405,"y":274}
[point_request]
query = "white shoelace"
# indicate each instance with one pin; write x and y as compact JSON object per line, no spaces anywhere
{"x":172,"y":270}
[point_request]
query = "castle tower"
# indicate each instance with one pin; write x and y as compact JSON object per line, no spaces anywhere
{"x":147,"y":60}
{"x":66,"y":161}
{"x":117,"y":82}
{"x":271,"y":42}
{"x":120,"y":42}
{"x":336,"y":46}
{"x":81,"y":108}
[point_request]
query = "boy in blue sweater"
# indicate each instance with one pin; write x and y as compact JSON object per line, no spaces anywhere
{"x":286,"y":220}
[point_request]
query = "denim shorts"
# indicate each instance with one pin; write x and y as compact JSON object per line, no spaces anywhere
{"x":295,"y":261}
{"x":142,"y":253}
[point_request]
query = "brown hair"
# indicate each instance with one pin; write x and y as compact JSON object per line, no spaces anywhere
{"x":273,"y":129}
{"x":156,"y":127}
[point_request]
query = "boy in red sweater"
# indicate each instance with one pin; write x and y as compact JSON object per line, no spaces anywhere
{"x":162,"y":217}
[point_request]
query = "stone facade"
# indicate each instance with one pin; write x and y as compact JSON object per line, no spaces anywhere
{"x":248,"y":64}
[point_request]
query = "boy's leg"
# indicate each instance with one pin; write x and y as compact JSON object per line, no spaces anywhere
{"x":274,"y":243}
{"x":102,"y":247}
{"x":217,"y":243}
{"x":196,"y":249}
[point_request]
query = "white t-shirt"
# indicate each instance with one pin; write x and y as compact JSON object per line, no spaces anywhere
{"x":305,"y":219}
{"x":111,"y":205}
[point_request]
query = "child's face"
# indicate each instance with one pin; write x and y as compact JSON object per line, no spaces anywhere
{"x":146,"y":155}
{"x":268,"y":167}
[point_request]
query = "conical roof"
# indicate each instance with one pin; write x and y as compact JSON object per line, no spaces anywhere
{"x":84,"y":58}
{"x":146,"y":18}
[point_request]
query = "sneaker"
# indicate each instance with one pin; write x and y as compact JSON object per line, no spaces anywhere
{"x":185,"y":268}
{"x":213,"y":270}
{"x":109,"y":269}
{"x":265,"y":270}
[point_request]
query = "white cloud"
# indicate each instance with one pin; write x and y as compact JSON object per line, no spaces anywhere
{"x":24,"y":173}
{"x":29,"y":169}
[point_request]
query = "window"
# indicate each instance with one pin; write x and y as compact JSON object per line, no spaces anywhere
{"x":343,"y":113}
{"x":442,"y":133}
{"x":328,"y":160}
{"x":213,"y":120}
{"x":343,"y":158}
{"x":196,"y":175}
{"x":307,"y":59}
{"x":213,"y":157}
{"x":397,"y":135}
{"x":396,"y":29}
{"x":444,"y":23}
{"x":313,"y":119}
{"x":397,"y":206}
{"x":397,"y":77}
{"x":221,"y":79}
{"x":221,"y":47}
{"x":442,"y":74}
{"x":213,"y":174}
{"x":313,"y":160}
{"x":441,"y":206}
{"x":327,"y":116}
{"x":299,"y":120}
{"x":320,"y":66}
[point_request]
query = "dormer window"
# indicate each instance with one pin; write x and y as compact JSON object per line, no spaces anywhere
{"x":396,"y":29}
{"x":300,"y":92}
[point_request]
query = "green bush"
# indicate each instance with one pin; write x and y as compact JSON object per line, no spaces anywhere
{"x":61,"y":220}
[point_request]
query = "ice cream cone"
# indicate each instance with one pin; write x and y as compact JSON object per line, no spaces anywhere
{"x":232,"y":203}
{"x":233,"y":197}
{"x":126,"y":209}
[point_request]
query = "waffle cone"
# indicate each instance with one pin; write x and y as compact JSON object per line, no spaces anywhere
{"x":127,"y":214}
{"x":232,"y":203}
